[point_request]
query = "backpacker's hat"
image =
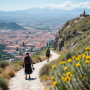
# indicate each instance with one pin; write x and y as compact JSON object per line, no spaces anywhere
{"x":27,"y":52}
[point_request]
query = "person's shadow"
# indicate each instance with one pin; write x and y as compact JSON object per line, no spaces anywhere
{"x":31,"y":78}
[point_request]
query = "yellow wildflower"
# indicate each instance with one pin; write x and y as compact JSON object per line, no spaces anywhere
{"x":77,"y":59}
{"x":65,"y":68}
{"x":46,"y":89}
{"x":84,"y":77}
{"x":71,"y":75}
{"x":68,"y":73}
{"x":69,"y":78}
{"x":64,"y":80}
{"x":87,"y":61}
{"x":69,"y":60}
{"x":83,"y":55}
{"x":74,"y":57}
{"x":79,"y":56}
{"x":87,"y":48}
{"x":78,"y":64}
{"x":80,"y":76}
{"x":53,"y":66}
{"x":52,"y":78}
{"x":54,"y":83}
{"x":87,"y":57}
{"x":63,"y":62}
{"x":60,"y":62}
{"x":85,"y":52}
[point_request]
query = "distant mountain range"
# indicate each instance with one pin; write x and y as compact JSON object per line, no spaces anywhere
{"x":47,"y":12}
{"x":10,"y":25}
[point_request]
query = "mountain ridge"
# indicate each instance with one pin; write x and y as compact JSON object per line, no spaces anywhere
{"x":33,"y":12}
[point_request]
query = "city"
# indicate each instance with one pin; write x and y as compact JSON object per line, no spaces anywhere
{"x":14,"y":40}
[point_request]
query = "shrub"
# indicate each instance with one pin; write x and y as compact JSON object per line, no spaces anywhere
{"x":75,"y":53}
{"x":74,"y":74}
{"x":11,"y":73}
{"x":45,"y":70}
{"x":84,"y":29}
{"x":33,"y":61}
{"x":1,"y":70}
{"x":74,"y":32}
{"x":68,"y":55}
{"x":45,"y":77}
{"x":79,"y":46}
{"x":3,"y":64}
{"x":17,"y":67}
{"x":62,"y":57}
{"x":5,"y":76}
{"x":39,"y":58}
{"x":3,"y":84}
{"x":20,"y":62}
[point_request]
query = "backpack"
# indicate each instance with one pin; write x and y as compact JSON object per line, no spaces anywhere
{"x":27,"y":59}
{"x":47,"y":51}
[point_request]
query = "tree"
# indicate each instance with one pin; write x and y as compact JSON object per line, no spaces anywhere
{"x":23,"y":44}
{"x":17,"y":49}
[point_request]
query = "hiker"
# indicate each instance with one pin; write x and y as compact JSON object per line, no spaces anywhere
{"x":47,"y":54}
{"x":27,"y":62}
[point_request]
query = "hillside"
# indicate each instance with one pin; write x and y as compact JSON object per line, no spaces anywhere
{"x":73,"y":35}
{"x":70,"y":71}
{"x":11,"y":25}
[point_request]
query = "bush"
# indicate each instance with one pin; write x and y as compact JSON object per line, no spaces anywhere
{"x":74,"y":32}
{"x":39,"y":59}
{"x":79,"y":46}
{"x":68,"y":55}
{"x":84,"y":29}
{"x":3,"y":84}
{"x":11,"y":73}
{"x":5,"y":76}
{"x":45,"y":70}
{"x":44,"y":78}
{"x":74,"y":74}
{"x":36,"y":58}
{"x":62,"y":57}
{"x":17,"y":67}
{"x":3,"y":64}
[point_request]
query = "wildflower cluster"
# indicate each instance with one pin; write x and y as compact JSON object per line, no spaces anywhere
{"x":73,"y":74}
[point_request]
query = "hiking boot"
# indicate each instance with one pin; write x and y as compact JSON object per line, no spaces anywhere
{"x":25,"y":78}
{"x":47,"y":60}
{"x":29,"y":77}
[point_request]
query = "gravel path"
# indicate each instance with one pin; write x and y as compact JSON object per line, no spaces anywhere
{"x":19,"y":83}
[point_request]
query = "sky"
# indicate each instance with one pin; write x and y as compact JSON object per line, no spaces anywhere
{"x":13,"y":5}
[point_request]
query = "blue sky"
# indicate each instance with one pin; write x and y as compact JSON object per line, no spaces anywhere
{"x":12,"y":5}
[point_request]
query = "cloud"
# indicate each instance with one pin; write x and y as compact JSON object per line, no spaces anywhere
{"x":84,"y":5}
{"x":68,"y":5}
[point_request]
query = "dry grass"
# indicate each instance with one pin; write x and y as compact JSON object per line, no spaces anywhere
{"x":16,"y":67}
{"x":47,"y":84}
{"x":9,"y":72}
